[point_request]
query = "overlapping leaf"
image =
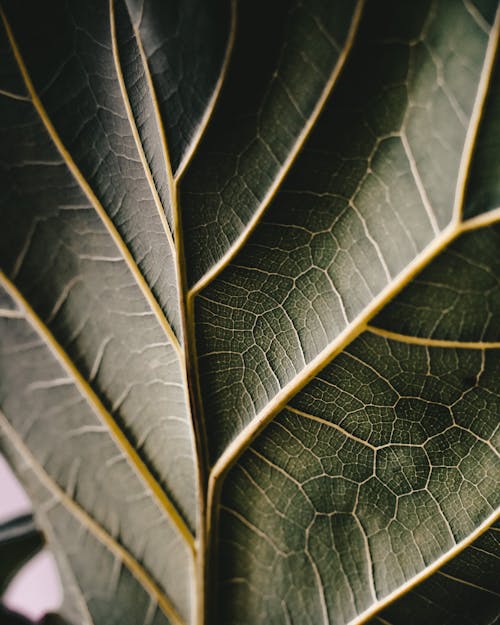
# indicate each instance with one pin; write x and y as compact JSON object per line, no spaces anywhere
{"x":19,"y":541}
{"x":212,"y":380}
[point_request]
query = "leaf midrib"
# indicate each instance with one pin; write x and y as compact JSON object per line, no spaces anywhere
{"x":84,"y":386}
{"x":358,"y":325}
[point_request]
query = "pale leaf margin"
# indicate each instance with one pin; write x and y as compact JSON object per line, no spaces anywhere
{"x":90,"y":524}
{"x":83,"y":385}
{"x":97,"y":407}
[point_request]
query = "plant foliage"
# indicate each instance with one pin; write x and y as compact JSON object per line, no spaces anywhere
{"x":250,"y":305}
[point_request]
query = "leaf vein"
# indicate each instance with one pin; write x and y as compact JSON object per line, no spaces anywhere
{"x":135,"y":131}
{"x":70,"y":163}
{"x":91,"y":524}
{"x":245,"y":234}
{"x":428,"y":342}
{"x":99,"y":409}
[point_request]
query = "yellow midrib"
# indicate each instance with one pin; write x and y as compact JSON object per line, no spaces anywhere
{"x":85,"y":388}
{"x":358,"y":325}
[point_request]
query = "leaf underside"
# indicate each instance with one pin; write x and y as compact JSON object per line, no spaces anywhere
{"x":250,"y":306}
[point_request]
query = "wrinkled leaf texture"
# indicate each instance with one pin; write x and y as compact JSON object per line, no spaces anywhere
{"x":250,"y":305}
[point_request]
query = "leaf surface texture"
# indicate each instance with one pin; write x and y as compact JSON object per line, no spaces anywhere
{"x":250,"y":305}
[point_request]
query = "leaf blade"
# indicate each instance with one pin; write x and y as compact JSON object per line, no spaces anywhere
{"x":22,"y":456}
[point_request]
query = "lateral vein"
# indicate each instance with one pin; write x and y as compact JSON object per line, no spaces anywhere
{"x":245,"y":234}
{"x":476,"y":117}
{"x":99,"y":409}
{"x":417,"y":340}
{"x":467,"y":583}
{"x":350,"y":332}
{"x":489,"y":218}
{"x":428,"y":571}
{"x":135,"y":130}
{"x":186,"y":159}
{"x":14,"y":96}
{"x":431,"y":215}
{"x":140,"y":574}
{"x":311,"y":417}
{"x":158,"y":117}
{"x":70,"y":163}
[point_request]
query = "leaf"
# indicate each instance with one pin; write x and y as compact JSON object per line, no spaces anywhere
{"x":460,"y":592}
{"x":53,"y":619}
{"x":13,"y":618}
{"x":250,"y":304}
{"x":110,"y":583}
{"x":19,"y":541}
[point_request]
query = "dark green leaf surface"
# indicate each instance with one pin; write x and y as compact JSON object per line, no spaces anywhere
{"x":250,"y":305}
{"x":373,"y":188}
{"x":271,"y":97}
{"x":484,"y":185}
{"x":381,"y":465}
{"x":457,"y":297}
{"x":463,"y":592}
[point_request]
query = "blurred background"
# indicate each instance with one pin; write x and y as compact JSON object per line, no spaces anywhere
{"x":36,"y":589}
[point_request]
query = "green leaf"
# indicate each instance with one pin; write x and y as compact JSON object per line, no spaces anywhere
{"x":462,"y":591}
{"x":19,"y":542}
{"x":250,"y":304}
